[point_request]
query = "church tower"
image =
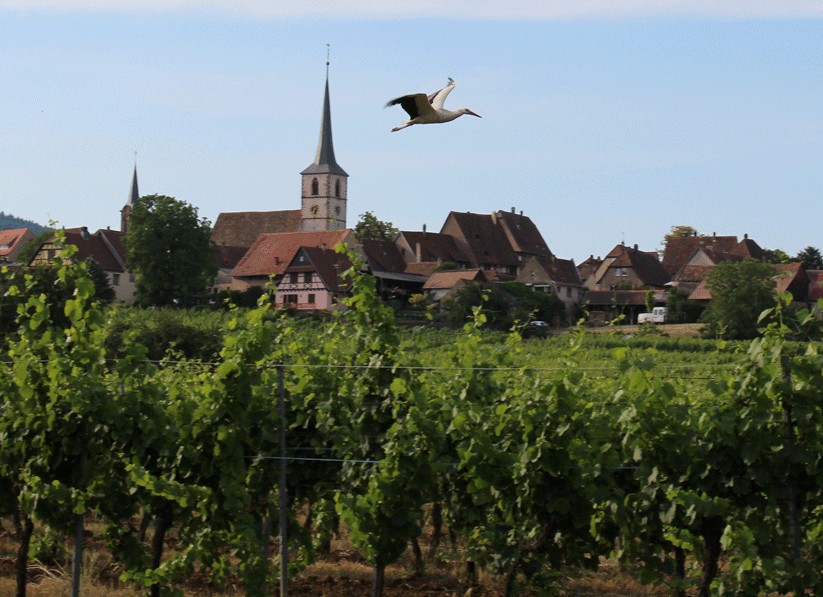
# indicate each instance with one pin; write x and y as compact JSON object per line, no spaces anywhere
{"x":125,"y":213}
{"x":324,"y":182}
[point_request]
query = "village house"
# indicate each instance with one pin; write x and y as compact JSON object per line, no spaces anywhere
{"x":314,"y":280}
{"x":11,"y":241}
{"x":105,"y":247}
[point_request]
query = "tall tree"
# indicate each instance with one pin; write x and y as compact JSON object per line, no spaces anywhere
{"x":680,"y":232}
{"x":371,"y":228}
{"x":777,"y":256}
{"x":741,"y":291}
{"x":169,"y":249}
{"x":811,"y":258}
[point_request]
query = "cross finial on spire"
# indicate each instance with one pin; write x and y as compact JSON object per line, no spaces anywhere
{"x":328,"y":52}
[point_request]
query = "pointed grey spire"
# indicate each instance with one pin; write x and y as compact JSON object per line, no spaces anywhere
{"x":324,"y":162}
{"x":133,"y":195}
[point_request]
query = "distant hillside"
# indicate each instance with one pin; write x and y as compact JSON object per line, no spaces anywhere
{"x":9,"y":221}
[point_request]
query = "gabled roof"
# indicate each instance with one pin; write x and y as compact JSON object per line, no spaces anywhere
{"x":271,"y":253}
{"x":560,"y":271}
{"x":717,"y":255}
{"x":523,"y":235}
{"x":228,"y":257}
{"x":485,"y":239}
{"x":383,"y":255}
{"x":11,"y":241}
{"x":95,"y":246}
{"x":241,"y":228}
{"x":748,"y":248}
{"x":788,"y":274}
{"x":588,"y":267}
{"x":563,"y":271}
{"x":679,"y":250}
{"x":645,"y":265}
{"x":445,"y":280}
{"x":422,"y":268}
{"x":327,"y":263}
{"x":434,"y":246}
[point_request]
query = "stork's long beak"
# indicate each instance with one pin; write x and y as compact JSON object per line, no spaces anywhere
{"x":473,"y":114}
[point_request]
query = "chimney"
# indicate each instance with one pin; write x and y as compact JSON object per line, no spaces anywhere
{"x":84,"y":233}
{"x":512,"y":210}
{"x":635,"y":246}
{"x":745,"y":236}
{"x":417,"y":252}
{"x":424,"y":230}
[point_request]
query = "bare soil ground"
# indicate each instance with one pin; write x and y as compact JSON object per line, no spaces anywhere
{"x":341,"y":574}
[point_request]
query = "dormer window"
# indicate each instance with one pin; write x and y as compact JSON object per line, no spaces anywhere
{"x":315,"y":187}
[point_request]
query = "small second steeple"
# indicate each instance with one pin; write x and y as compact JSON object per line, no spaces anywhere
{"x":134,"y":195}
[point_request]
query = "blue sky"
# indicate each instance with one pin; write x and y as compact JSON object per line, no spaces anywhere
{"x":607,"y":123}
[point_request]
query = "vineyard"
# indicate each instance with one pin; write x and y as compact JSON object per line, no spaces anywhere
{"x":695,"y":464}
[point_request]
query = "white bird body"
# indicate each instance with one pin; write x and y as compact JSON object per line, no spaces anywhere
{"x":428,"y":109}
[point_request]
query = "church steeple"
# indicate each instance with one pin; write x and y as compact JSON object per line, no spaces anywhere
{"x":134,"y":195}
{"x":324,"y":181}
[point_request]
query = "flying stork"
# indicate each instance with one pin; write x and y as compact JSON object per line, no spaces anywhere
{"x":428,"y":109}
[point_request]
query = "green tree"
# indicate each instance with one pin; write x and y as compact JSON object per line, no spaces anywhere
{"x":169,"y":249}
{"x":370,"y":228}
{"x":680,"y":232}
{"x":810,"y":257}
{"x":777,"y":256}
{"x":680,"y":308}
{"x":740,"y":291}
{"x":504,"y":304}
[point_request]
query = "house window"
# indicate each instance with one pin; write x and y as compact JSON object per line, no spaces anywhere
{"x":289,"y":299}
{"x":621,"y":272}
{"x":315,"y":187}
{"x":115,"y":279}
{"x":310,"y":299}
{"x":294,"y":277}
{"x":307,"y":277}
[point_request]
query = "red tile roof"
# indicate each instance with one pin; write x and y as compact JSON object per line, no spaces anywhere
{"x":692,"y":273}
{"x":449,"y":278}
{"x":645,"y":264}
{"x":241,"y":228}
{"x":434,"y":246}
{"x":680,"y":250}
{"x":486,"y":241}
{"x":271,"y":253}
{"x":383,"y":255}
{"x":422,"y":268}
{"x":11,"y":241}
{"x":589,"y":267}
{"x":94,"y":246}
